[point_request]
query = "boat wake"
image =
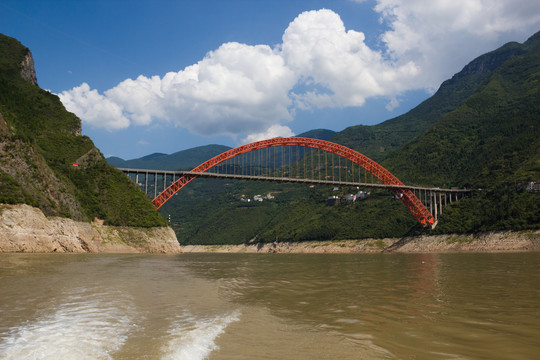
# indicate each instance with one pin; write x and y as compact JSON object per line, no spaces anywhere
{"x":86,"y":325}
{"x":194,"y":338}
{"x":93,"y":324}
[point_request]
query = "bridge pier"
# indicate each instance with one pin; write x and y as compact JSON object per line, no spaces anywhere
{"x":155,"y":185}
{"x":431,"y":202}
{"x":146,"y":183}
{"x":436,"y":215}
{"x":146,"y":179}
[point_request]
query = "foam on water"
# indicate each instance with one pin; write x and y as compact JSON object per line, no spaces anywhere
{"x":194,"y":338}
{"x":87,"y":324}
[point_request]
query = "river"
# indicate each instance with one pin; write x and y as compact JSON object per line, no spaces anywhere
{"x":270,"y":306}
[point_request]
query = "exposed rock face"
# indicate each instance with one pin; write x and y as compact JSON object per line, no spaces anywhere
{"x":28,"y":167}
{"x":25,"y":229}
{"x":491,"y":61}
{"x":496,"y":241}
{"x":28,"y":72}
{"x":489,"y":242}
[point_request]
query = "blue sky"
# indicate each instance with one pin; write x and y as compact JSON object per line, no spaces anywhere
{"x":163,"y":76}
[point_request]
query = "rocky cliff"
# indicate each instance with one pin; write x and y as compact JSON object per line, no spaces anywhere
{"x":25,"y":229}
{"x":39,"y":143}
{"x":28,"y":71}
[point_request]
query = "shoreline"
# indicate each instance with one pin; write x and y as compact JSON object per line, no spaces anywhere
{"x":25,"y":229}
{"x":500,"y":241}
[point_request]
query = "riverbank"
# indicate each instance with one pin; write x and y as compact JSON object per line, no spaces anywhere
{"x":25,"y":229}
{"x":485,"y":242}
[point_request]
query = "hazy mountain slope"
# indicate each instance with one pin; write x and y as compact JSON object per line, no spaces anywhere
{"x":321,"y":134}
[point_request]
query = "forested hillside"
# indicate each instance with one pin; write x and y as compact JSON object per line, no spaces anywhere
{"x":379,"y":141}
{"x":479,"y":130}
{"x":492,"y":142}
{"x":39,"y":144}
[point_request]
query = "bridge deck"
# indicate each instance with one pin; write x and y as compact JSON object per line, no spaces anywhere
{"x":287,"y":180}
{"x":301,"y":156}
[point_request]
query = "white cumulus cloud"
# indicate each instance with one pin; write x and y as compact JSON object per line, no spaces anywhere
{"x":270,"y":133}
{"x":235,"y":89}
{"x":335,"y":65}
{"x":442,"y":36}
{"x":94,"y":108}
{"x":141,"y":99}
{"x":254,"y":91}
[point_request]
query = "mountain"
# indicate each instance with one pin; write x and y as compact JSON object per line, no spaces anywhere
{"x":378,"y":141}
{"x":481,"y":129}
{"x":181,"y":160}
{"x":493,"y":137}
{"x":491,"y":141}
{"x":190,"y":158}
{"x":321,"y":134}
{"x":44,"y":160}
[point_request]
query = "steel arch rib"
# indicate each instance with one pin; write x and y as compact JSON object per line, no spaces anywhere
{"x":416,"y":207}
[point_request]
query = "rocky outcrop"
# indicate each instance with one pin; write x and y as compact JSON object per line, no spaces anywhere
{"x":27,"y":166}
{"x":25,"y":229}
{"x":28,"y":72}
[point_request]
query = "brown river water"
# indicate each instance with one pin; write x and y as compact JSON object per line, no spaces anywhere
{"x":270,"y":306}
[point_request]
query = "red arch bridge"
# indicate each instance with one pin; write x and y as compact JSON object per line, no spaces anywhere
{"x":299,"y":160}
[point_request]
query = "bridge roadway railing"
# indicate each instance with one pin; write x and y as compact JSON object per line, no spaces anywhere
{"x":434,"y":198}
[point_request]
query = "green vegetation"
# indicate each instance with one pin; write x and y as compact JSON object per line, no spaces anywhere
{"x":210,"y":211}
{"x":12,"y":192}
{"x":314,"y":220}
{"x":480,"y":130}
{"x":492,"y":142}
{"x":497,"y":209}
{"x":381,"y":140}
{"x":40,"y":142}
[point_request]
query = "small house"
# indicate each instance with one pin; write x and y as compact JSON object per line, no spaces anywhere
{"x":332,"y":200}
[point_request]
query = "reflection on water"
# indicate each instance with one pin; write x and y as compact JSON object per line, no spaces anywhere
{"x":245,"y":306}
{"x":422,"y":306}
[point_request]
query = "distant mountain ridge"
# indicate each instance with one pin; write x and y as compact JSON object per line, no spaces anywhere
{"x":380,"y":140}
{"x":492,"y":142}
{"x":321,"y":134}
{"x":180,"y":160}
{"x":190,"y":158}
